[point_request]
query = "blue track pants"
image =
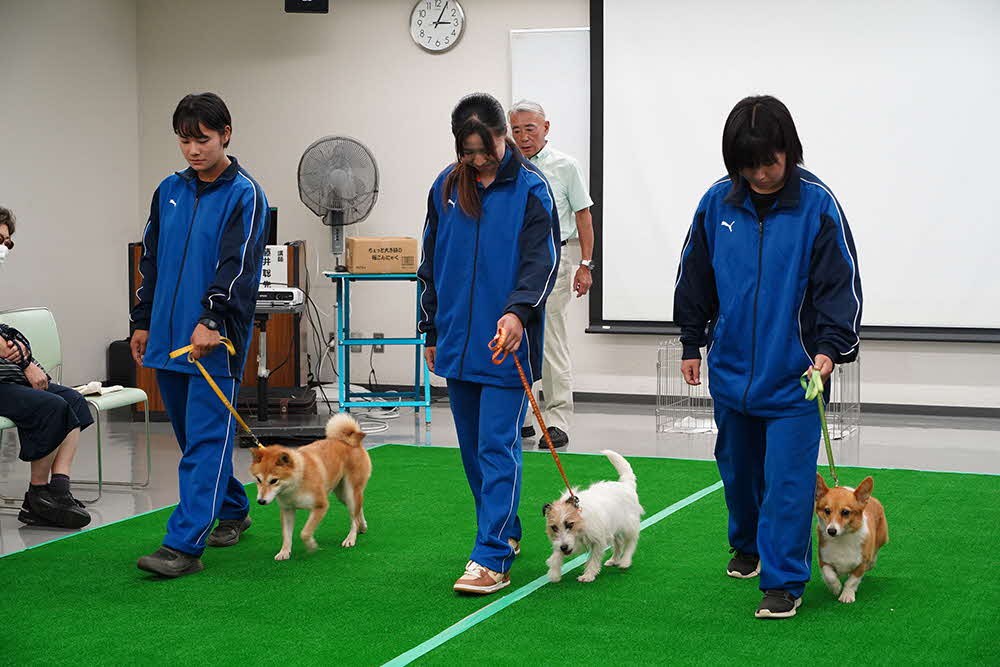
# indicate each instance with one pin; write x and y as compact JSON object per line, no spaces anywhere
{"x":768,"y":467}
{"x":205,"y":431}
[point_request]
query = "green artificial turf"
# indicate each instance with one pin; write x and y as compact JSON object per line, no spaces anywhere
{"x":81,"y":600}
{"x":932,"y":599}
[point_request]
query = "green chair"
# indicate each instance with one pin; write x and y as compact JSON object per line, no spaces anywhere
{"x":39,"y":327}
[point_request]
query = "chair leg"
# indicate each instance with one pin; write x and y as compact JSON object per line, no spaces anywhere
{"x":100,"y":471}
{"x":149,"y":452}
{"x":100,"y":481}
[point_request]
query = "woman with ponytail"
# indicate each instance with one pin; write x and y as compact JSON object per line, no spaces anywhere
{"x":490,"y":257}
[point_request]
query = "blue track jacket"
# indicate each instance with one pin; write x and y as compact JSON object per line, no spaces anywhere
{"x":773,"y":292}
{"x":202,"y":256}
{"x":474,"y":271}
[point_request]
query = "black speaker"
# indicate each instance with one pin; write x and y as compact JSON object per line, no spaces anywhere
{"x":272,"y":226}
{"x":121,"y":368}
{"x":307,"y":6}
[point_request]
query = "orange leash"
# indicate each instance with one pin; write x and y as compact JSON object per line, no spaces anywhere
{"x":496,"y":347}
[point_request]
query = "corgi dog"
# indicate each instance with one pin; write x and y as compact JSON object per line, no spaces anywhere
{"x":303,"y":478}
{"x":851,"y":529}
{"x":603,"y":515}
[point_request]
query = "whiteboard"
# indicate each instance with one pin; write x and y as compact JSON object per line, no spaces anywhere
{"x":895,"y":103}
{"x":552,"y":67}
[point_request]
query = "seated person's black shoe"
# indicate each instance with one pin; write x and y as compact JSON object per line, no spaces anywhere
{"x":228,"y":532}
{"x":41,"y":508}
{"x":559,"y":438}
{"x":168,"y":562}
{"x":778,"y":604}
{"x":527,"y":431}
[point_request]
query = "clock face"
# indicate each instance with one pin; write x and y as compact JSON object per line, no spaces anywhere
{"x":437,"y":25}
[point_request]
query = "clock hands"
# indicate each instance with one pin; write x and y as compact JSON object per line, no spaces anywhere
{"x":439,"y":21}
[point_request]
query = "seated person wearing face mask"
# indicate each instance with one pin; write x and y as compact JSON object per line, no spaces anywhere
{"x":48,"y":416}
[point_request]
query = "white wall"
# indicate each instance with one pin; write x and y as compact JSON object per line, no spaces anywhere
{"x":70,"y":95}
{"x":290,"y":79}
{"x":69,"y":157}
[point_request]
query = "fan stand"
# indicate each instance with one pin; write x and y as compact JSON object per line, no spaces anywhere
{"x":335,"y":220}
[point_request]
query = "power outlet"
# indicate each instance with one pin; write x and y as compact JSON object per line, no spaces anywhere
{"x":356,"y":348}
{"x":379,"y":349}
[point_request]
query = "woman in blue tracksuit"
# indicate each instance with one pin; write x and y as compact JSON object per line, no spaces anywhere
{"x":201,"y":264}
{"x":490,"y":256}
{"x":769,"y":267}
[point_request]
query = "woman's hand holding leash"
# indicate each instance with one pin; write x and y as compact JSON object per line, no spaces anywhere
{"x":430,"y":354}
{"x":824,"y":365}
{"x":499,"y":346}
{"x":203,"y":341}
{"x":510,"y":330}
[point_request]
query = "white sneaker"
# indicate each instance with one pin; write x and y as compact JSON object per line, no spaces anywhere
{"x":481,"y":580}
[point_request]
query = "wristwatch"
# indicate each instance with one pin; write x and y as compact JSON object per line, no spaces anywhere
{"x":209,"y":323}
{"x":589,"y":263}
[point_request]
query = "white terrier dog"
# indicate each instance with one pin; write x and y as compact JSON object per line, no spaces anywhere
{"x":603,"y":515}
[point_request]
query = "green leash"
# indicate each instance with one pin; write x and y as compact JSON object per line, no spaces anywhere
{"x":814,"y":391}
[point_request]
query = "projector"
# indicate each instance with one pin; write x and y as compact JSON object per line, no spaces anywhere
{"x":280,"y":300}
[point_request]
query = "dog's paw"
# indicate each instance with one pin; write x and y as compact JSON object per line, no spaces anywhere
{"x":586,"y":578}
{"x":624,"y":564}
{"x":555,"y":576}
{"x":847,"y":597}
{"x":611,"y":562}
{"x":311,"y":544}
{"x":349,"y":541}
{"x":283,"y":555}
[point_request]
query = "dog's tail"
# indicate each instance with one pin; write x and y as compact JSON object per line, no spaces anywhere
{"x":343,"y":426}
{"x":625,"y":474}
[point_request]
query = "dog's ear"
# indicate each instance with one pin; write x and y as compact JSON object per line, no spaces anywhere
{"x":545,"y":509}
{"x":285,"y":460}
{"x":821,"y":487}
{"x":256,"y":453}
{"x":864,"y":490}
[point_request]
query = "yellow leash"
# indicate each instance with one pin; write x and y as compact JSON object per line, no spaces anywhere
{"x":211,"y":383}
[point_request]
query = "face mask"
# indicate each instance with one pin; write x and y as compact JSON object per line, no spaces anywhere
{"x":3,"y":254}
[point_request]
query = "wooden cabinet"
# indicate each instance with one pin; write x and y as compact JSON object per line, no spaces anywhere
{"x":284,"y":334}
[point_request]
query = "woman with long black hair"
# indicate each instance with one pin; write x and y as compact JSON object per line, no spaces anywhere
{"x":490,"y":257}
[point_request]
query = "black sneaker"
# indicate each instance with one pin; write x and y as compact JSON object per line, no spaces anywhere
{"x":41,"y":508}
{"x":168,"y":562}
{"x":743,"y":565}
{"x":228,"y":532}
{"x":558,"y":436}
{"x":778,"y":604}
{"x":68,"y":499}
{"x":527,"y":431}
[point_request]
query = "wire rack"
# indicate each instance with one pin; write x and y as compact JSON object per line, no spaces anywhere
{"x":684,"y":410}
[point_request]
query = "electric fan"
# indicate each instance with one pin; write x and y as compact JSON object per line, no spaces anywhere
{"x":338,"y":181}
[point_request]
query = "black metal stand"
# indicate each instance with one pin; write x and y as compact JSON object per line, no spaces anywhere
{"x":262,"y":372}
{"x":266,"y":429}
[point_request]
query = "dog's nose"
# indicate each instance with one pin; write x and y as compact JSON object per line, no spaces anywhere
{"x":564,"y":549}
{"x":831,"y":531}
{"x":262,"y":502}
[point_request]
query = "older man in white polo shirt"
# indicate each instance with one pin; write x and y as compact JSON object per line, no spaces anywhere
{"x":530,"y":129}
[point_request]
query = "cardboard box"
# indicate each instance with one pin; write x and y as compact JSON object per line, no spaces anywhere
{"x":392,"y":254}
